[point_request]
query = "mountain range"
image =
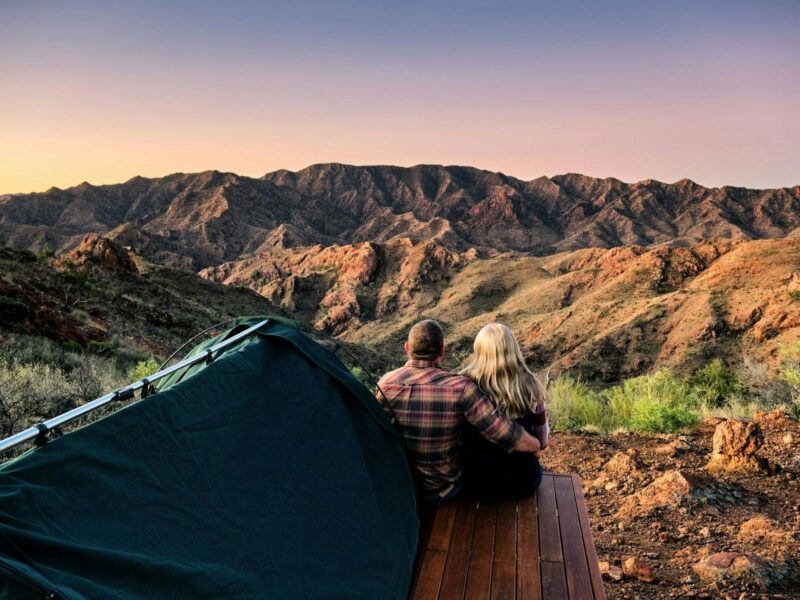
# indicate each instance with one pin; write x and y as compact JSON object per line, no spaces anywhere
{"x":594,"y":275}
{"x":203,"y":219}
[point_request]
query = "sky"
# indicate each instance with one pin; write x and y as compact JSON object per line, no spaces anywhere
{"x":103,"y":91}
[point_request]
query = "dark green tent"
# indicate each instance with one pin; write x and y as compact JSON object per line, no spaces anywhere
{"x":270,"y":473}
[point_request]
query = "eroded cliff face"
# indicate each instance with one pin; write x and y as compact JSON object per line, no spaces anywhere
{"x":604,"y":314}
{"x":339,"y":287}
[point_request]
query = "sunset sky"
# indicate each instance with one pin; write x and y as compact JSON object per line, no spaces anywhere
{"x":102,"y":91}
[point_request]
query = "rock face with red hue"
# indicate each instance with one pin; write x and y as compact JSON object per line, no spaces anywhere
{"x":339,"y":286}
{"x":735,"y":446}
{"x":98,"y":251}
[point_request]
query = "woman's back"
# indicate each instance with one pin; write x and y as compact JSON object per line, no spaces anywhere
{"x":499,"y":369}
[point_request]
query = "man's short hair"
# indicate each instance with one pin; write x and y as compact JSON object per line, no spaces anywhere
{"x":425,"y":340}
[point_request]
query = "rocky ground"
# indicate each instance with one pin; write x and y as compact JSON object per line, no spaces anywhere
{"x":714,"y":514}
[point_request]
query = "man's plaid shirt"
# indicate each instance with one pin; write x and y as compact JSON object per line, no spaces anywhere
{"x":431,"y":406}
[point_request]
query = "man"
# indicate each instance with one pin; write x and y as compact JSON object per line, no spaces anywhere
{"x":432,"y":405}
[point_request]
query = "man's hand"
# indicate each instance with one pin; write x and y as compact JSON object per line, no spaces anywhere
{"x":528,"y":443}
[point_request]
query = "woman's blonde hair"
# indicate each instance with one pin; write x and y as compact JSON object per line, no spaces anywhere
{"x":499,"y":369}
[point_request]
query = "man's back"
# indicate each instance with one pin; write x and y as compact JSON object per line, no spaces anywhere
{"x":431,"y":406}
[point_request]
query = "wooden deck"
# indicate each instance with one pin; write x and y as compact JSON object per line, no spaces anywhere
{"x":537,"y":548}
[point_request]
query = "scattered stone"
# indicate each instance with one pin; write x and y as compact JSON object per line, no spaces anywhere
{"x":621,"y":467}
{"x":773,"y":419}
{"x":675,"y":447}
{"x":735,"y":445}
{"x":637,"y":568}
{"x":762,"y":529}
{"x":610,"y":572}
{"x":788,"y":439}
{"x":725,"y":568}
{"x":672,"y":489}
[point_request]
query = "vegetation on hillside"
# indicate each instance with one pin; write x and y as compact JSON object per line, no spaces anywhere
{"x":661,"y":402}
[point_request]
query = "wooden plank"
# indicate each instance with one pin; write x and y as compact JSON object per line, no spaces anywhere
{"x":442,"y":529}
{"x":504,"y":568}
{"x":454,"y":581}
{"x":431,"y":571}
{"x":529,"y":584}
{"x":579,"y":583}
{"x":430,"y":575}
{"x":427,"y":514}
{"x":588,"y":540}
{"x":554,"y":585}
{"x":549,"y":534}
{"x":479,"y":578}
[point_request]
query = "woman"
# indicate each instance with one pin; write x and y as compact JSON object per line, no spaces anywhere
{"x":499,"y":369}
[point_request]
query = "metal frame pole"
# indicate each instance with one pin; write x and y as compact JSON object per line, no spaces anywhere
{"x":42,"y":429}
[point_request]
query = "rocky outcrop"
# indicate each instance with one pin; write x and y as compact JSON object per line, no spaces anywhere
{"x":96,"y":251}
{"x":620,"y":470}
{"x":670,"y":490}
{"x":337,"y":287}
{"x":747,"y":570}
{"x":735,"y":446}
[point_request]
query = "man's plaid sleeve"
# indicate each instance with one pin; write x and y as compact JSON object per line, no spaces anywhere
{"x":479,"y":412}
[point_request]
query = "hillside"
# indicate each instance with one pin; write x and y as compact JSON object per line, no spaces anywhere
{"x":598,"y":277}
{"x":100,"y":297}
{"x":603,"y":314}
{"x":200,"y":220}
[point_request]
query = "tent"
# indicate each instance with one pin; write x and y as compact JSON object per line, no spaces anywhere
{"x":270,"y":472}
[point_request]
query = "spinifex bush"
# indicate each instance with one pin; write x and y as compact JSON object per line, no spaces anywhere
{"x":715,"y":384}
{"x":573,"y":405}
{"x":651,"y":403}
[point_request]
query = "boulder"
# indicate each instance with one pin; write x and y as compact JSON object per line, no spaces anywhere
{"x":96,"y":250}
{"x":671,"y":490}
{"x":745,"y":570}
{"x":637,"y":568}
{"x":735,"y":444}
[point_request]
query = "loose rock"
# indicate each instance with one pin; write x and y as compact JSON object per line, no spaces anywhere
{"x":725,"y":568}
{"x":735,"y":444}
{"x":637,"y":568}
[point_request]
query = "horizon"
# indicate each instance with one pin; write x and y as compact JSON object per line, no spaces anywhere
{"x":103,"y":93}
{"x":368,"y":166}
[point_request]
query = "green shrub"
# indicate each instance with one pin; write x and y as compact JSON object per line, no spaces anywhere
{"x":653,"y":416}
{"x":144,"y":368}
{"x":362,"y":376}
{"x":72,"y":346}
{"x":573,"y":405}
{"x":715,"y":384}
{"x":658,"y":402}
{"x":98,"y":347}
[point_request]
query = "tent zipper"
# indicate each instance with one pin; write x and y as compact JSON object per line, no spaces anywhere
{"x":27,"y":582}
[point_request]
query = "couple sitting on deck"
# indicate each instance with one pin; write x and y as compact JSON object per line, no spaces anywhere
{"x":482,"y":429}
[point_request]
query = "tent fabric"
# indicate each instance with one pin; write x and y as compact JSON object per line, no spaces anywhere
{"x":269,"y":473}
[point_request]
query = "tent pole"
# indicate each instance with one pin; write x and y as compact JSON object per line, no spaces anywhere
{"x":42,"y":429}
